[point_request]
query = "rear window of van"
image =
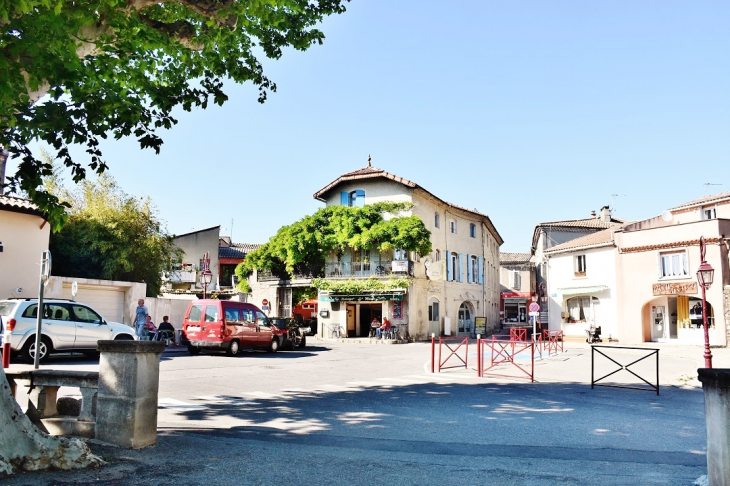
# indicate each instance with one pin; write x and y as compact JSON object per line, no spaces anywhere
{"x":196,"y":312}
{"x":6,"y":307}
{"x":211,"y":313}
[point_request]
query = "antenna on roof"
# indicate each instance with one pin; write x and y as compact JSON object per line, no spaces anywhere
{"x":613,"y":201}
{"x":369,"y":161}
{"x":709,"y":184}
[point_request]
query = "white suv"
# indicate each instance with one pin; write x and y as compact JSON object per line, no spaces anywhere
{"x":66,"y":326}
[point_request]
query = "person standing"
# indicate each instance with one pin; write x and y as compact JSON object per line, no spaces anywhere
{"x":140,"y":320}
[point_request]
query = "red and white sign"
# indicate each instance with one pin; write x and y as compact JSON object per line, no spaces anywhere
{"x":534,"y":307}
{"x":265,"y":302}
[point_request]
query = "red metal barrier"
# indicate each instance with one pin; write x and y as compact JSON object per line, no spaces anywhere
{"x":454,"y":346}
{"x":552,"y":341}
{"x":518,"y":334}
{"x":502,"y":352}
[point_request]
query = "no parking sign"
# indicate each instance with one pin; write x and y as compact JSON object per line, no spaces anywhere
{"x":534,"y":309}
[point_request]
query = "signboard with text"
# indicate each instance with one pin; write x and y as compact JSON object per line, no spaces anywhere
{"x":674,"y":288}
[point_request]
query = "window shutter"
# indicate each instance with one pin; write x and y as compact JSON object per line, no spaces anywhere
{"x":344,"y":199}
{"x":468,"y":268}
{"x":449,"y":276}
{"x":461,"y":267}
{"x":481,"y":270}
{"x":518,"y":281}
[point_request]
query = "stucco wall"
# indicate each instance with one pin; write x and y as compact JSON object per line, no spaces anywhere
{"x":639,"y":270}
{"x":24,"y":241}
{"x":194,"y":245}
{"x":600,"y":271}
{"x":376,"y":190}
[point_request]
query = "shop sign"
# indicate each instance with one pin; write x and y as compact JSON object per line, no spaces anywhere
{"x":434,"y":270}
{"x":399,"y":265}
{"x":480,"y":325}
{"x":397,"y":310}
{"x":674,"y":288}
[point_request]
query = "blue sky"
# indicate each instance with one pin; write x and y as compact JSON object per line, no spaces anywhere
{"x":528,"y":111}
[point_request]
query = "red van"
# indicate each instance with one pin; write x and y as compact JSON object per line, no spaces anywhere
{"x":230,"y":326}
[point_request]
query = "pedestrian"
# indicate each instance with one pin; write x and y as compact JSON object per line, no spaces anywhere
{"x":151,"y":329}
{"x":140,"y":320}
{"x":165,"y":330}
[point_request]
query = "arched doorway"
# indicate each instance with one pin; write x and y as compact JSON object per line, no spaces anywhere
{"x":466,"y":319}
{"x":434,"y":317}
{"x":677,"y":319}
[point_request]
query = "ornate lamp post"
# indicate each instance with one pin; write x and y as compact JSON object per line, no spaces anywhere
{"x":205,"y":275}
{"x":705,"y":275}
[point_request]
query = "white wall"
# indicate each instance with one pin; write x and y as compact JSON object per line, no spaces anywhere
{"x":24,"y":238}
{"x":600,"y":270}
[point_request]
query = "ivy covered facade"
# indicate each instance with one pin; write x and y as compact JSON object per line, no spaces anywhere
{"x":450,"y":286}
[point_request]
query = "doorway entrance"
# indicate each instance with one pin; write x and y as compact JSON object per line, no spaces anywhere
{"x":434,"y":317}
{"x":368,"y":312}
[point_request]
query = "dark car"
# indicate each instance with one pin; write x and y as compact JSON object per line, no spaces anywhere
{"x":295,"y":334}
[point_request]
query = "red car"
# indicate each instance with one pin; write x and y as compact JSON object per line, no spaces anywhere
{"x":228,"y":326}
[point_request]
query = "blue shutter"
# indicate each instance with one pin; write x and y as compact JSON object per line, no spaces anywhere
{"x":461,"y":267}
{"x":468,"y":268}
{"x":449,"y":276}
{"x":344,"y":199}
{"x":481,"y":270}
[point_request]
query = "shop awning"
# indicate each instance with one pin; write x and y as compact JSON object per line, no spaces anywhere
{"x":515,"y":296}
{"x":591,"y":289}
{"x":364,"y":297}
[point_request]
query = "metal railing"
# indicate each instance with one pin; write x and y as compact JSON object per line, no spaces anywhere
{"x":647,"y":353}
{"x":381,"y":268}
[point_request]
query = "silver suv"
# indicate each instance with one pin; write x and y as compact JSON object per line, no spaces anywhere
{"x":66,"y":326}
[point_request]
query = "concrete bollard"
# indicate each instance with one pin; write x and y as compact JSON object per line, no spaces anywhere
{"x":716,"y":386}
{"x":129,"y":375}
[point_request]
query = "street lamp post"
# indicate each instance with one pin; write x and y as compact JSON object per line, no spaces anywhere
{"x":205,"y":275}
{"x":705,"y":275}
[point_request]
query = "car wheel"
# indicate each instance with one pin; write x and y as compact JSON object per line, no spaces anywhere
{"x":124,"y":337}
{"x":28,"y":351}
{"x":193,"y":350}
{"x":233,"y":348}
{"x":303,"y":342}
{"x":274,"y":346}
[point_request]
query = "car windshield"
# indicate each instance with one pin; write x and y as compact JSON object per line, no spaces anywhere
{"x":280,"y":323}
{"x":6,"y":307}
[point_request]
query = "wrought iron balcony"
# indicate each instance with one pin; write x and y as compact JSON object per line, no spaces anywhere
{"x":382,"y":268}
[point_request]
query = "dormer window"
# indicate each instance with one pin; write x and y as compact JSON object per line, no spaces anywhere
{"x":709,"y":212}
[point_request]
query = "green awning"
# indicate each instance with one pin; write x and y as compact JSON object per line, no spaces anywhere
{"x":591,"y":289}
{"x":368,"y":297}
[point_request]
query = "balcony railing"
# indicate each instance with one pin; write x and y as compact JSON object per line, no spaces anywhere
{"x":382,"y":268}
{"x":266,"y":276}
{"x":180,"y":276}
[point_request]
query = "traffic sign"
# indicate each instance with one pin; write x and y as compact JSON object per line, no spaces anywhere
{"x":265,"y":302}
{"x":534,"y":307}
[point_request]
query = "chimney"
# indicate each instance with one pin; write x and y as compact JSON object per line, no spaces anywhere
{"x":593,"y":214}
{"x":606,"y":214}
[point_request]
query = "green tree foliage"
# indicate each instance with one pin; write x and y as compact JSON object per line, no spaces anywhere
{"x":119,"y":68}
{"x":303,"y":246}
{"x":110,"y":235}
{"x":361,"y":285}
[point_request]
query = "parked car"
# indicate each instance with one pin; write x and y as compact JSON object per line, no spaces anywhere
{"x":296,"y":336}
{"x":229,"y":326}
{"x":66,"y":326}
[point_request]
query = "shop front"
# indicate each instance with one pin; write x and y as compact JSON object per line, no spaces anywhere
{"x":586,"y":308}
{"x":514,"y":307}
{"x":675,"y":315}
{"x":353,"y":315}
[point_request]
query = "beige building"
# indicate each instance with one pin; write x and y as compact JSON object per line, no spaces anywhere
{"x":24,"y":235}
{"x":659,"y":298}
{"x":450,"y":289}
{"x":517,"y":282}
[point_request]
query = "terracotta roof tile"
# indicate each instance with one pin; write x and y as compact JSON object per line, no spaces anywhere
{"x":506,"y":258}
{"x":703,"y":200}
{"x":597,"y":239}
{"x":19,"y":205}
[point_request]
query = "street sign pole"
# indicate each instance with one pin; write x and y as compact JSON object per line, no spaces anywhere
{"x":45,"y":273}
{"x":534,"y":314}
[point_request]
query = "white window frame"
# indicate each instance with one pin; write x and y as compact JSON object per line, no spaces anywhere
{"x":673,"y":264}
{"x":579,"y":265}
{"x":436,"y":220}
{"x":437,"y":257}
{"x":515,"y":280}
{"x":452,"y":226}
{"x":709,"y":212}
{"x":474,"y":269}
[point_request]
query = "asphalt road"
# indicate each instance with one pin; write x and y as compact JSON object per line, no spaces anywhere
{"x":339,"y":413}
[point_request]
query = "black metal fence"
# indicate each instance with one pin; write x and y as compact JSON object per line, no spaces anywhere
{"x":647,"y":353}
